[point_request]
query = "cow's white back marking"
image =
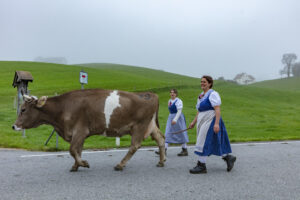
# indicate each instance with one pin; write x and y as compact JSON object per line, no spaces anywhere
{"x":111,"y":103}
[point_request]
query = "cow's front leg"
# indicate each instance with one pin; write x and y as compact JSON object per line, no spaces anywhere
{"x":75,"y":151}
{"x":78,"y":161}
{"x":129,"y":154}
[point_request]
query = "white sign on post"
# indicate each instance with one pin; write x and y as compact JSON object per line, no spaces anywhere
{"x":83,"y":78}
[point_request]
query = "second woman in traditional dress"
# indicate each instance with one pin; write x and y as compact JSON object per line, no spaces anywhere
{"x":176,"y":123}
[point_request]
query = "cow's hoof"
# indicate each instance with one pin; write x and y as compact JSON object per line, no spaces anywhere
{"x":85,"y":164}
{"x":160,"y":164}
{"x":118,"y":167}
{"x":74,"y":169}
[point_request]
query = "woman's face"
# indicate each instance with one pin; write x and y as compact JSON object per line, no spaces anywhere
{"x":172,"y":94}
{"x":205,"y":85}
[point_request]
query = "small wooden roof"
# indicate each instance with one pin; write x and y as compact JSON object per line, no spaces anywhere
{"x":22,"y":76}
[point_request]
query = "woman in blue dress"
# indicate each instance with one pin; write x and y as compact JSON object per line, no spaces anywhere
{"x":176,"y":122}
{"x":212,"y":138}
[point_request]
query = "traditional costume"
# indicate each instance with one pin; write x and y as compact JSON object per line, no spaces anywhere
{"x":208,"y":142}
{"x":175,"y":109}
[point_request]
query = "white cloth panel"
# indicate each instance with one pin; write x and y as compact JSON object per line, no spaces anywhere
{"x":203,"y":123}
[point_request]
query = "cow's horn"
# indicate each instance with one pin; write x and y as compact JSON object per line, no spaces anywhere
{"x":26,"y":97}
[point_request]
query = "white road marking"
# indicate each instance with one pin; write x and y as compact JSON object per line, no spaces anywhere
{"x":155,"y":148}
{"x":111,"y":103}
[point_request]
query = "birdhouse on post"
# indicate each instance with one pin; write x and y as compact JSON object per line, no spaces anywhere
{"x":21,"y":80}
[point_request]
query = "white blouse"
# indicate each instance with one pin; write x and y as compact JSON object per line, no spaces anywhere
{"x":178,"y":104}
{"x":214,"y":98}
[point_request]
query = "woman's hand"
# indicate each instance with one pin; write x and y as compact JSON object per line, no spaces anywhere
{"x":216,"y":128}
{"x":192,"y":125}
{"x":173,"y":122}
{"x":194,"y":121}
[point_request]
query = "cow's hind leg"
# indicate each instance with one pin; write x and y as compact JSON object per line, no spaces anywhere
{"x":76,"y":149}
{"x":136,"y":140}
{"x":159,"y":138}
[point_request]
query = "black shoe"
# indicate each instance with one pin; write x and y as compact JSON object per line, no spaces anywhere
{"x":184,"y":152}
{"x":157,"y":152}
{"x":229,"y":159}
{"x":199,"y":169}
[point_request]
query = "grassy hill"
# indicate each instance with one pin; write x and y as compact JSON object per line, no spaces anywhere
{"x":290,"y":84}
{"x":251,"y":113}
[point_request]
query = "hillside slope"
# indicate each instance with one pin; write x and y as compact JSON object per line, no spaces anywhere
{"x":290,"y":84}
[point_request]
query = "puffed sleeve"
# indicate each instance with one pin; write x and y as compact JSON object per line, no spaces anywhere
{"x":198,"y":101}
{"x":179,"y":104}
{"x":215,"y":99}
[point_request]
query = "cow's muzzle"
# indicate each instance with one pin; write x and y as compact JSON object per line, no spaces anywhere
{"x":14,"y":127}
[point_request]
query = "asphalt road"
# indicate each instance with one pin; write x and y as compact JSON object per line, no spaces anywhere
{"x":266,"y":171}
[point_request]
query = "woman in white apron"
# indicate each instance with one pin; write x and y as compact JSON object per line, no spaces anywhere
{"x":176,"y":122}
{"x":212,"y":138}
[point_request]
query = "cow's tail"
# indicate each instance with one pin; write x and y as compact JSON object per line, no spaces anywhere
{"x":156,"y":117}
{"x":156,"y":120}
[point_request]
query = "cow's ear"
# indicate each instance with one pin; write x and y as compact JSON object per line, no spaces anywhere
{"x":41,"y":101}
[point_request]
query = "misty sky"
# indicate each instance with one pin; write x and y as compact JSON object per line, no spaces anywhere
{"x":190,"y":37}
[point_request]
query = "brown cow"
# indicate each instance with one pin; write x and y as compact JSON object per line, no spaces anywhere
{"x":79,"y":114}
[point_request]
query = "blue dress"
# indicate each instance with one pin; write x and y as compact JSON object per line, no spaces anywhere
{"x":208,"y":142}
{"x":180,"y":125}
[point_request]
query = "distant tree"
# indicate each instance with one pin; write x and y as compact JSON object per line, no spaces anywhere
{"x":282,"y":72}
{"x":296,"y":69}
{"x":221,"y":78}
{"x":288,"y":60}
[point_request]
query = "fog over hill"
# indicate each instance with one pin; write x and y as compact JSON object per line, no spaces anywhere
{"x":191,"y":37}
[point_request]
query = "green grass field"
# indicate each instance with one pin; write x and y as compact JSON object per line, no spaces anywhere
{"x":251,"y":113}
{"x":284,"y":84}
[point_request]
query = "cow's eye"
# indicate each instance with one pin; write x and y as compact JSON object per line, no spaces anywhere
{"x":23,"y":110}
